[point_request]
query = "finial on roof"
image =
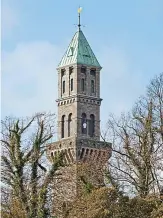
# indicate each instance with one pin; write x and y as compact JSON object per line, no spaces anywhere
{"x":79,"y":11}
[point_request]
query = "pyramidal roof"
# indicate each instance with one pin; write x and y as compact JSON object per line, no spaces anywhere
{"x":79,"y":52}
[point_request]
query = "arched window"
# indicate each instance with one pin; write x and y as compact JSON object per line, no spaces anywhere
{"x":63,"y":126}
{"x":71,"y":84}
{"x":93,"y":72}
{"x":82,"y":84}
{"x":83,"y":70}
{"x":63,"y":86}
{"x":84,"y":123}
{"x":92,"y":86}
{"x":69,"y":124}
{"x":92,"y":125}
{"x":63,"y":73}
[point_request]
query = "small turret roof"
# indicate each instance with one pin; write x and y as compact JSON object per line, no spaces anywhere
{"x":79,"y":52}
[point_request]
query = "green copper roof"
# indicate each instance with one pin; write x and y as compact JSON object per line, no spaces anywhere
{"x":79,"y":52}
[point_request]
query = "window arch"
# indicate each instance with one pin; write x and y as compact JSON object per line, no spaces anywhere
{"x":63,"y":73}
{"x":63,"y":126}
{"x":71,"y":84}
{"x":69,"y":124}
{"x":82,"y":84}
{"x":92,"y":86}
{"x":84,"y":123}
{"x":92,"y":125}
{"x":63,"y":86}
{"x":93,"y":72}
{"x":83,"y":70}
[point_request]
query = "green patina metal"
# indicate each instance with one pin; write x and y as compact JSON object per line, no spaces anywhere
{"x":79,"y":52}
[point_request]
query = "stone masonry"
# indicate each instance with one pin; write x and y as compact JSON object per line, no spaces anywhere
{"x":78,"y":122}
{"x":76,"y":151}
{"x":77,"y":101}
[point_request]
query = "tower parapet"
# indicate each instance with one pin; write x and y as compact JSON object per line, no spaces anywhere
{"x":80,"y":150}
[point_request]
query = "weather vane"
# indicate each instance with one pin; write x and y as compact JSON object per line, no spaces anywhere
{"x":79,"y":11}
{"x":79,"y":24}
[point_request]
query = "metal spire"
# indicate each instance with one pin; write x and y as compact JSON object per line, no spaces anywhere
{"x":79,"y":11}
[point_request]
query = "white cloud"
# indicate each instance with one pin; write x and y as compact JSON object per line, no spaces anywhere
{"x":9,"y":18}
{"x":121,"y":84}
{"x":29,"y":78}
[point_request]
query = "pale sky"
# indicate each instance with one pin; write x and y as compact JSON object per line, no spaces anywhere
{"x":126,"y":37}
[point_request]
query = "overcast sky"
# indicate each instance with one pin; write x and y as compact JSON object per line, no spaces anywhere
{"x":126,"y":37}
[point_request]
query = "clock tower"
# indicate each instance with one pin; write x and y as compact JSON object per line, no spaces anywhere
{"x":78,"y":118}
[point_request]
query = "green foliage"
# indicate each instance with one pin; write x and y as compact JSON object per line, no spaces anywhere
{"x":108,"y":203}
{"x":25,"y":175}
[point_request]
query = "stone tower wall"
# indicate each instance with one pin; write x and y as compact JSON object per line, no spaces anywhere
{"x":89,"y":107}
{"x":82,"y":147}
{"x":76,"y":101}
{"x":67,"y":78}
{"x":88,"y":78}
{"x":67,"y":107}
{"x":83,"y":158}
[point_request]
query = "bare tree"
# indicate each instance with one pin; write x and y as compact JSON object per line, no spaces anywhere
{"x":137,"y":139}
{"x":26,"y":174}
